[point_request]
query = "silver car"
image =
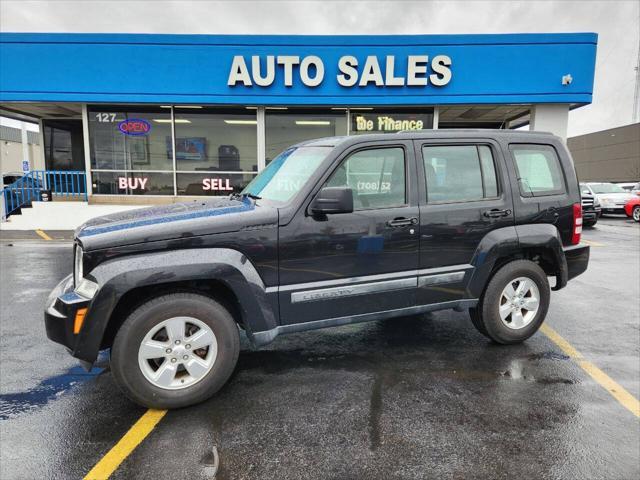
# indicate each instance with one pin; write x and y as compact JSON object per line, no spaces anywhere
{"x":612,"y":197}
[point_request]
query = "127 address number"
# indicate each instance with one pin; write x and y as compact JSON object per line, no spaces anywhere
{"x":106,"y":117}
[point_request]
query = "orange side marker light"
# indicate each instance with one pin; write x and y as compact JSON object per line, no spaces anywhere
{"x":79,"y":320}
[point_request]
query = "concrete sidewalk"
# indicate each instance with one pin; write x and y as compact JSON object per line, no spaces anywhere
{"x":60,"y":215}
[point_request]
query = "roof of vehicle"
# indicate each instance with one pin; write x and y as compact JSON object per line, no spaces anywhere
{"x":425,"y":134}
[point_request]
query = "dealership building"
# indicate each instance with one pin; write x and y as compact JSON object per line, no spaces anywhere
{"x":168,"y":116}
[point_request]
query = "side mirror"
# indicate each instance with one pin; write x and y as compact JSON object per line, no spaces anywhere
{"x":332,"y":200}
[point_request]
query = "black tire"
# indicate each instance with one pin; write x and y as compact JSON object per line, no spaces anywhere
{"x":590,"y":224}
{"x":635,"y":213}
{"x":487,"y":315}
{"x":476,"y":319}
{"x":124,"y":353}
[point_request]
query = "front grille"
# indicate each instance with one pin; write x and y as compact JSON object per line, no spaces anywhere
{"x":587,"y":202}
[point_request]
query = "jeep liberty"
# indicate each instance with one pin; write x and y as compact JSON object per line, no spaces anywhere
{"x":332,"y":232}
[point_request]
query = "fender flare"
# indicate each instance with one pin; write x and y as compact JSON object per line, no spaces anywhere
{"x":118,"y":276}
{"x":511,"y":241}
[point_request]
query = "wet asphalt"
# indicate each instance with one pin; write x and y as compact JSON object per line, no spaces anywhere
{"x":417,"y":397}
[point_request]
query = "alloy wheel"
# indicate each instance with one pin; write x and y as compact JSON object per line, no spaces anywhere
{"x":177,"y":353}
{"x":519,"y":303}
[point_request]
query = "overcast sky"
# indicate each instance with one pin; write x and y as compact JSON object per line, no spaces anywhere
{"x":616,"y":22}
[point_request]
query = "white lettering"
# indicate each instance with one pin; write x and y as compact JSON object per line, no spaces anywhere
{"x":440,"y":65}
{"x":349,"y":73}
{"x":416,"y":67}
{"x":219,"y":184}
{"x":288,"y":61}
{"x":371,"y":72}
{"x":269,"y":77}
{"x":239,"y":72}
{"x":391,"y":80}
{"x":304,"y":71}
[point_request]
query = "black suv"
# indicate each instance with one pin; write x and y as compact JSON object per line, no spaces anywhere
{"x":332,"y":232}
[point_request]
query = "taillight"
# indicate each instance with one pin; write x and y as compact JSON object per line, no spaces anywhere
{"x":577,"y":224}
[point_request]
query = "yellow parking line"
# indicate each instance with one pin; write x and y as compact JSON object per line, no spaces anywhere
{"x":618,"y":392}
{"x":127,"y":444}
{"x":43,"y":235}
{"x":592,"y":243}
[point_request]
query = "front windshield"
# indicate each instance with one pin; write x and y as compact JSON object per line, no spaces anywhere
{"x":287,"y":173}
{"x":606,"y":188}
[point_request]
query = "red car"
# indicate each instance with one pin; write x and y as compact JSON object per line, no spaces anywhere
{"x":632,"y":208}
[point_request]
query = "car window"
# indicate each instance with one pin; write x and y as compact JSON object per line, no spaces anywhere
{"x":287,"y":173}
{"x":377,"y":177}
{"x":607,"y":188}
{"x":458,"y":173}
{"x":538,"y":169}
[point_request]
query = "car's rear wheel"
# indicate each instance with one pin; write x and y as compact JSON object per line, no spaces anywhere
{"x":175,"y":350}
{"x":635,"y":213}
{"x":514,"y":303}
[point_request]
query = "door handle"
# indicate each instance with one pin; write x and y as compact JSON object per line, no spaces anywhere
{"x":497,"y":213}
{"x":402,"y":222}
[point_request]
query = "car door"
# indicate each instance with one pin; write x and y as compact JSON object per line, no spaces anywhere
{"x":342,"y":265}
{"x":465,"y":194}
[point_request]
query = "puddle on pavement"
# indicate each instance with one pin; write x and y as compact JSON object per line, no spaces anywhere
{"x":13,"y":404}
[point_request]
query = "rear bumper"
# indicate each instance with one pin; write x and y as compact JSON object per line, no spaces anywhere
{"x":590,"y":216}
{"x":577,"y":257}
{"x":60,"y":312}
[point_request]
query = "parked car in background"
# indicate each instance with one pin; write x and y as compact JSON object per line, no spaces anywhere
{"x":591,"y":210}
{"x":632,"y":208}
{"x":612,"y":197}
{"x":628,"y":186}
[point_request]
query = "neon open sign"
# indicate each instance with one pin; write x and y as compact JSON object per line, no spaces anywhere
{"x":134,"y":126}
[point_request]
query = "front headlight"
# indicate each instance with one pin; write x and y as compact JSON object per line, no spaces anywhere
{"x":78,"y":274}
{"x":81,"y":285}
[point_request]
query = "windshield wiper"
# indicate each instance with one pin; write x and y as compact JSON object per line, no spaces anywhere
{"x":244,"y":195}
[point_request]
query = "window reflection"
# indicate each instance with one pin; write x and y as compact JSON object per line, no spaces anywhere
{"x":216,"y":140}
{"x":286,"y":128}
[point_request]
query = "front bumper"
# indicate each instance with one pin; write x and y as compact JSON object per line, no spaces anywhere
{"x":613,"y":209}
{"x":577,"y":257}
{"x":60,"y":312}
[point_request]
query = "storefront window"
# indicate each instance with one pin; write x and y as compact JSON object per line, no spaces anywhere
{"x":390,"y":121}
{"x":212,"y":183}
{"x":286,"y":128}
{"x":131,"y":139}
{"x":216,"y":140}
{"x":132,"y":183}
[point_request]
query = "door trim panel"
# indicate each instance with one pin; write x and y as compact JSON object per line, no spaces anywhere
{"x":352,"y":290}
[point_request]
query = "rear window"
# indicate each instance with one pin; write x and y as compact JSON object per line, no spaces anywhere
{"x":539,"y":171}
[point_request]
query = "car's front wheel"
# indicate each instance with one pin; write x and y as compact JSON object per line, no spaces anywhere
{"x":514,"y":303}
{"x":635,"y":214}
{"x":175,"y":350}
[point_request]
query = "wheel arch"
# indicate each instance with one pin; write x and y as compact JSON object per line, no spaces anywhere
{"x":540,"y":243}
{"x":225,"y":275}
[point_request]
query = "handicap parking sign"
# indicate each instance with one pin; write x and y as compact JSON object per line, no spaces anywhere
{"x":25,"y":165}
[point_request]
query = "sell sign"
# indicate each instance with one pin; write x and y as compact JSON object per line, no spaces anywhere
{"x":134,"y":126}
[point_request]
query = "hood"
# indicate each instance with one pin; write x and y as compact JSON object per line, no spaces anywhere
{"x":180,"y":220}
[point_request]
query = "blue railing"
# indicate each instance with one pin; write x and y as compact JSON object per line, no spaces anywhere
{"x":61,"y":183}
